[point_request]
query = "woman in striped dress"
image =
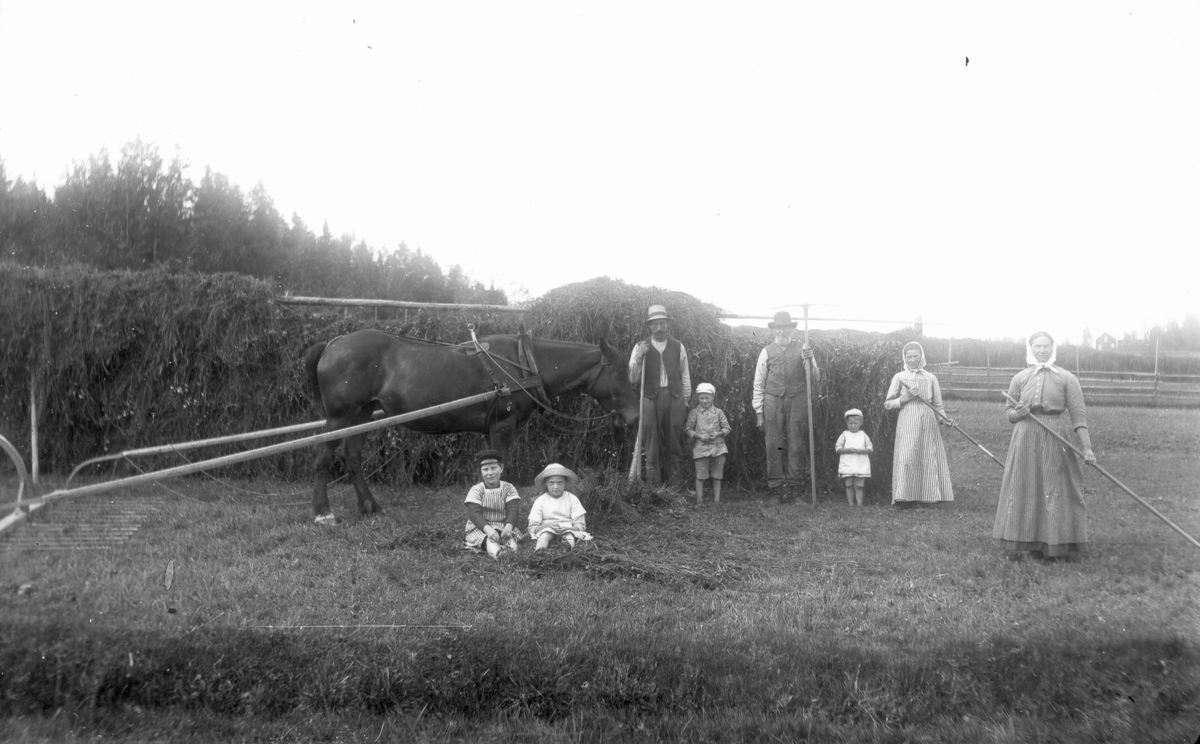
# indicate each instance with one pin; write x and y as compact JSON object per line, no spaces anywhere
{"x":920,"y":473}
{"x":1041,"y":509}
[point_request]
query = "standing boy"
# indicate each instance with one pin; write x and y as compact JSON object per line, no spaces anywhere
{"x":708,"y":426}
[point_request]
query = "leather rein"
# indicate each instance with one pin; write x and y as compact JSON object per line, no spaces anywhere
{"x":532,"y":385}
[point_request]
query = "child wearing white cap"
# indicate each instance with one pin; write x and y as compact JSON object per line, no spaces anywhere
{"x":557,"y":512}
{"x":707,"y":426}
{"x":854,"y":449}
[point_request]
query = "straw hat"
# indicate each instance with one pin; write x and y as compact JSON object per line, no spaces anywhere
{"x":657,"y":312}
{"x":783,"y":319}
{"x":706,"y":387}
{"x":555,"y":469}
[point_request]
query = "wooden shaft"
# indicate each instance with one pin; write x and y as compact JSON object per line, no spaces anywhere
{"x":635,"y":467}
{"x":954,"y":425}
{"x":351,"y":302}
{"x":812,"y":450}
{"x":1106,"y":474}
{"x":164,"y":449}
{"x":253,"y":454}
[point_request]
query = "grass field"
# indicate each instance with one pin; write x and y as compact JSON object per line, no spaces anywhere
{"x":750,"y":621}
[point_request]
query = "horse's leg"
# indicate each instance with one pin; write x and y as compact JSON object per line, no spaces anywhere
{"x":500,"y":436}
{"x":321,"y":511}
{"x":354,"y":448}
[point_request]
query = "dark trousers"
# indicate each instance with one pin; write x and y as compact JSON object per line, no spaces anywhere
{"x":663,"y":433}
{"x":785,"y":423}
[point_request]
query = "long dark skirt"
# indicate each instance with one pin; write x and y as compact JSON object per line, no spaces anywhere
{"x":1041,"y":497}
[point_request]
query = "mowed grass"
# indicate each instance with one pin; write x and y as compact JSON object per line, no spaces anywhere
{"x":750,"y":621}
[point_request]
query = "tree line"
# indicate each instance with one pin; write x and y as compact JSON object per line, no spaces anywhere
{"x":145,"y":212}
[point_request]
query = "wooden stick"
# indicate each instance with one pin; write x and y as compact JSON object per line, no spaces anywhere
{"x":812,"y":450}
{"x":1106,"y":474}
{"x":252,"y":454}
{"x":954,"y":425}
{"x":635,"y":467}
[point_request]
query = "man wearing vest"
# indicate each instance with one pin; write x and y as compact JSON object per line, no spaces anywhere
{"x":667,"y":387}
{"x":781,"y":406}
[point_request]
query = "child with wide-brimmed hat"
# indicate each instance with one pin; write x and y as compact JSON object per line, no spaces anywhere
{"x":492,"y":508}
{"x":557,"y":513}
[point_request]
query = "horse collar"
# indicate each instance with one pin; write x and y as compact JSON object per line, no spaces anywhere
{"x":596,"y":376}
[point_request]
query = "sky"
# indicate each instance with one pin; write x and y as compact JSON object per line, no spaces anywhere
{"x":754,"y":155}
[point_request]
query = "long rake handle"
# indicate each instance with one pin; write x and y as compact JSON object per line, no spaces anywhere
{"x":635,"y":467}
{"x":1106,"y":474}
{"x":954,"y":425}
{"x":812,"y":447}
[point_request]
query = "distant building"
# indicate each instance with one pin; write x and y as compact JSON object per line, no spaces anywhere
{"x":1105,"y":342}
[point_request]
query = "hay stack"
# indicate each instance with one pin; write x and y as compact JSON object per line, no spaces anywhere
{"x":128,"y":359}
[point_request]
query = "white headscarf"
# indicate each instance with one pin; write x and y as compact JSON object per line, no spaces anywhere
{"x":912,"y":373}
{"x":1030,"y":359}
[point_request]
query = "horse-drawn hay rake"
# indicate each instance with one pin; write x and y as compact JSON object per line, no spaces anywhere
{"x":20,"y":509}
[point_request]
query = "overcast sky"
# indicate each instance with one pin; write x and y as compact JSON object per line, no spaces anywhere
{"x":754,"y":155}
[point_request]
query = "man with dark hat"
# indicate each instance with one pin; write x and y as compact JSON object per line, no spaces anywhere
{"x":666,"y":388}
{"x":781,"y":406}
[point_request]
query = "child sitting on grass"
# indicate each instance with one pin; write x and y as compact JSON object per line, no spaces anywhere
{"x":708,"y":427}
{"x":855,"y":450}
{"x":557,"y":512}
{"x":492,"y":509}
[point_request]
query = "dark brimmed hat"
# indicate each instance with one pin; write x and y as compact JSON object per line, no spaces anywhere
{"x":657,"y":312}
{"x":783,"y":319}
{"x":555,"y":469}
{"x":483,"y":457}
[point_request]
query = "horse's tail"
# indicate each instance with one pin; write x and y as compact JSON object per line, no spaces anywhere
{"x":311,"y":357}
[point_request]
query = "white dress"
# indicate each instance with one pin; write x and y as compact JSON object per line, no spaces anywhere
{"x":561,"y":516}
{"x":853,"y":463}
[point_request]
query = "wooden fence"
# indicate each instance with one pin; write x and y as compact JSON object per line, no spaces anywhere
{"x":1100,"y":388}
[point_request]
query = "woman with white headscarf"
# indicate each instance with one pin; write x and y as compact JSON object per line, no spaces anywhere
{"x":920,"y":473}
{"x":1041,"y":509}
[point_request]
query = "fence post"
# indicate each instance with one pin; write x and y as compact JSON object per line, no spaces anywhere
{"x":989,"y":375}
{"x":949,"y":367}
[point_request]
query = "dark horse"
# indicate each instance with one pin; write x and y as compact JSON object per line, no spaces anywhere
{"x":362,"y":372}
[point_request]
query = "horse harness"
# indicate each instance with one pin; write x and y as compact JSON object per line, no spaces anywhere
{"x":531,"y":384}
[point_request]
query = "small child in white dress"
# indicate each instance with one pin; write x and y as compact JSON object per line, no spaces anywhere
{"x":557,"y":512}
{"x":854,"y":463}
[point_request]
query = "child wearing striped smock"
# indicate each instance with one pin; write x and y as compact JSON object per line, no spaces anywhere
{"x":492,"y":508}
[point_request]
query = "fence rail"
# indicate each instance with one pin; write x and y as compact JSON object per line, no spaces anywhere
{"x":1109,"y":388}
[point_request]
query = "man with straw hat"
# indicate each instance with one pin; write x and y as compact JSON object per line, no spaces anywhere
{"x":660,"y":365}
{"x":780,"y":405}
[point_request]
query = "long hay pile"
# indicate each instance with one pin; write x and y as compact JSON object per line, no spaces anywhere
{"x":856,"y":373}
{"x":131,"y":359}
{"x":125,"y":360}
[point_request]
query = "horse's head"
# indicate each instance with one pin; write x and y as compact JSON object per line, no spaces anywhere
{"x":612,"y":388}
